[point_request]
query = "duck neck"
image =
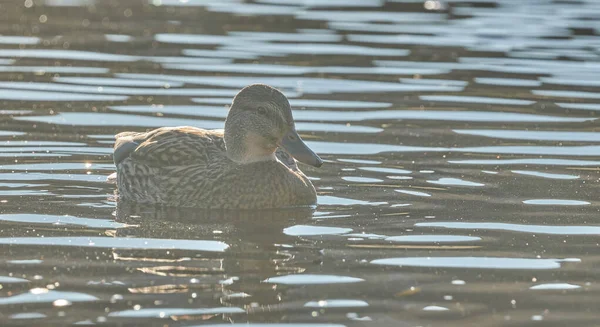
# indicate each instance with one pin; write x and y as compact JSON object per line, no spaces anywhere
{"x":245,"y":148}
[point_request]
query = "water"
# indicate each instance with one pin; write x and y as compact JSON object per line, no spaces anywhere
{"x":460,"y":186}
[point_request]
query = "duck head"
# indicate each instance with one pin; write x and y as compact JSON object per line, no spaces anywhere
{"x":259,"y":121}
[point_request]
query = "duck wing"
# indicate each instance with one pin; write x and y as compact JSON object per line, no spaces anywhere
{"x":286,"y":159}
{"x":170,"y":146}
{"x":181,"y":166}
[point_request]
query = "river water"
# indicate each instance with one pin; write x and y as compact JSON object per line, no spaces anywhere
{"x":460,"y":186}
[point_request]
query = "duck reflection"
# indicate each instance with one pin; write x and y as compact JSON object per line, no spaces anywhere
{"x":257,"y":249}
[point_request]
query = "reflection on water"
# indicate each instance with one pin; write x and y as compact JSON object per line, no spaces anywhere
{"x":460,"y":185}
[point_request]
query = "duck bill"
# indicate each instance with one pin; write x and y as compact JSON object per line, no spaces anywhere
{"x":293,"y":144}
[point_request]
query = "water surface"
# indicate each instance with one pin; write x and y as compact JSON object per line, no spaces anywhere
{"x":460,"y":186}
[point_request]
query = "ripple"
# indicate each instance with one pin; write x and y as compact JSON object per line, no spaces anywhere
{"x":389,"y":28}
{"x":394,"y":71}
{"x":430,"y":81}
{"x":346,"y":116}
{"x":567,"y":94}
{"x":24,"y":193}
{"x":121,"y":38}
{"x":310,"y":279}
{"x":432,"y":238}
{"x":366,"y":235}
{"x":507,"y":81}
{"x":201,"y":3}
{"x":40,"y":70}
{"x":454,"y":182}
{"x":250,"y":9}
{"x":570,"y":82}
{"x":310,"y":103}
{"x":529,"y":161}
{"x":435,"y":308}
{"x":327,"y":3}
{"x":110,"y":119}
{"x":167,"y":313}
{"x":9,"y":39}
{"x":34,"y":143}
{"x":555,"y":286}
{"x":28,"y":315}
{"x":101,"y":91}
{"x":554,"y":54}
{"x":580,"y":106}
{"x":360,"y":161}
{"x":66,"y":55}
{"x":539,"y":150}
{"x":430,"y":40}
{"x":11,"y":133}
{"x":369,"y":16}
{"x":262,"y":69}
{"x":386,"y":170}
{"x":198,"y":39}
{"x":399,"y":177}
{"x":68,"y":3}
{"x":357,"y":179}
{"x":54,"y":177}
{"x":29,"y":155}
{"x":44,"y":151}
{"x":220,"y":53}
{"x":272,"y":325}
{"x":532,"y":54}
{"x":533,"y":135}
{"x":12,"y":280}
{"x":336,"y":303}
{"x":119,"y":243}
{"x":115,"y":81}
{"x":287,"y":37}
{"x":58,"y":166}
{"x":454,"y":66}
{"x":473,"y":99}
{"x":545,"y":175}
{"x":23,"y":95}
{"x":318,"y":49}
{"x":324,"y":127}
{"x":308,"y":85}
{"x":61,"y":220}
{"x":42,"y":295}
{"x":200,"y":111}
{"x":98,"y":56}
{"x":338,"y":104}
{"x":25,"y":262}
{"x":305,"y":230}
{"x":99,"y":119}
{"x":557,"y":202}
{"x":470,"y":263}
{"x":339,"y":201}
{"x":474,"y":116}
{"x":416,"y":193}
{"x":534,"y":229}
{"x":548,"y":65}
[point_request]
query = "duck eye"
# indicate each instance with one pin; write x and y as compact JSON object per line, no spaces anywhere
{"x":262,"y":110}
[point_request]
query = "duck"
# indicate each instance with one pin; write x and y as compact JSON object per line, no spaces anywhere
{"x":250,"y":164}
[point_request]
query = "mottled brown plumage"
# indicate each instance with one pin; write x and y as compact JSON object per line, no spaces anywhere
{"x":243,"y":167}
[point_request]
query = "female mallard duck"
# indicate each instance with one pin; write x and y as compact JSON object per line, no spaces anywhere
{"x":245,"y":167}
